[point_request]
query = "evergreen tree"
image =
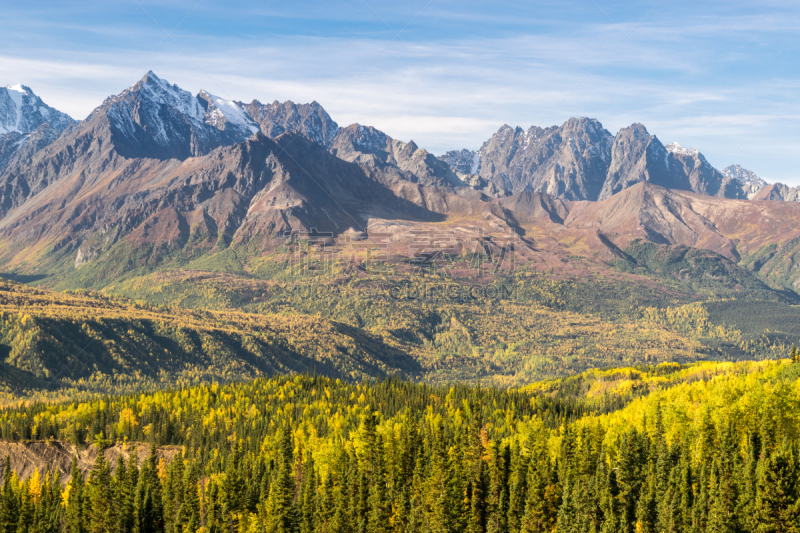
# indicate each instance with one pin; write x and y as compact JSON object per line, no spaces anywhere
{"x":517,"y":490}
{"x":440,"y":502}
{"x":234,"y":488}
{"x":777,"y":507}
{"x":308,"y":492}
{"x":100,"y":510}
{"x":148,"y":501}
{"x":536,"y":518}
{"x":629,"y":479}
{"x":26,"y":508}
{"x":746,"y":505}
{"x":281,"y":510}
{"x":9,"y":506}
{"x":190,"y":507}
{"x":75,"y":514}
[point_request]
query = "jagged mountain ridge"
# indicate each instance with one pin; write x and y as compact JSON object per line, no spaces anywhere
{"x":154,"y":119}
{"x":580,"y":160}
{"x":565,"y":161}
{"x":277,"y":118}
{"x":155,"y":167}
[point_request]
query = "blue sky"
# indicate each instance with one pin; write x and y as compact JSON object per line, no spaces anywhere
{"x":722,"y":77}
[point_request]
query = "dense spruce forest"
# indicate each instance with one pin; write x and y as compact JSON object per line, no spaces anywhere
{"x":706,"y":447}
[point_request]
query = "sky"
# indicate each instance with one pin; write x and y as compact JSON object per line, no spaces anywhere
{"x":719,"y":76}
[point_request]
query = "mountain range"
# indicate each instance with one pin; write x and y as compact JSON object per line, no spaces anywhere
{"x":190,"y":217}
{"x":157,"y":176}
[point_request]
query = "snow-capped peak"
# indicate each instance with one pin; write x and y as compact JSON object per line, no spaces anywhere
{"x":161,"y":120}
{"x":222,"y":113}
{"x":159,"y":91}
{"x":744,"y":176}
{"x":675,"y":148}
{"x":21,"y":111}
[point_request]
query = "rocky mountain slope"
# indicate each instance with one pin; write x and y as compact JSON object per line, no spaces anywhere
{"x":368,"y":146}
{"x":777,"y":191}
{"x":247,"y":193}
{"x":56,"y":456}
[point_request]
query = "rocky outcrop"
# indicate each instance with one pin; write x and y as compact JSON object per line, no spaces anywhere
{"x":310,"y":120}
{"x":636,"y":157}
{"x":570,"y":161}
{"x":56,"y":456}
{"x":369,"y":146}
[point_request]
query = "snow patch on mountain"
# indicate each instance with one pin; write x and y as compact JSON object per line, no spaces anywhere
{"x":476,"y":163}
{"x":222,"y":113}
{"x":747,"y":177}
{"x":21,"y":111}
{"x":675,"y":148}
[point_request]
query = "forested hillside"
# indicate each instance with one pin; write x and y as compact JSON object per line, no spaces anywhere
{"x":435,"y":329}
{"x":68,"y":343}
{"x":700,"y":448}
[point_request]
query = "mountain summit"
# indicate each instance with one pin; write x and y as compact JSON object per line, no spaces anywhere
{"x":156,"y":119}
